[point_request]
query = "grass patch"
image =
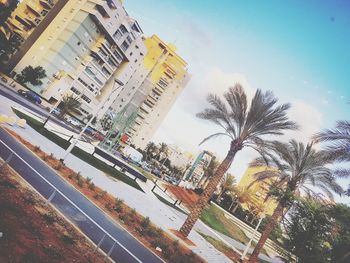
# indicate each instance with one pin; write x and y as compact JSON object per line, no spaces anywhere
{"x":215,"y":218}
{"x":145,"y":173}
{"x":221,"y":246}
{"x":84,"y":156}
{"x":163,"y":200}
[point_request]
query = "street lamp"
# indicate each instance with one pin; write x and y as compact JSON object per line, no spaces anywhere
{"x":99,"y":107}
{"x":253,"y":236}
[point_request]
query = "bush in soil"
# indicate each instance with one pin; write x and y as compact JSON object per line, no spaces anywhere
{"x":124,"y":217}
{"x":109,"y":206}
{"x":71,"y":175}
{"x":88,"y":180}
{"x":68,"y":239}
{"x":46,"y":157}
{"x":78,"y":176}
{"x":36,"y":148}
{"x":49,"y":218}
{"x":118,"y":205}
{"x":145,"y":222}
{"x":92,"y":186}
{"x":58,"y":166}
{"x":80,"y":182}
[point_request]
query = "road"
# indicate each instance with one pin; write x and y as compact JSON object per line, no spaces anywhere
{"x":12,"y":95}
{"x":83,"y":220}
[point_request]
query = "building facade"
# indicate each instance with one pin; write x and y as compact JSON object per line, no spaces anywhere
{"x":258,"y":189}
{"x":91,"y":49}
{"x":166,"y":78}
{"x":178,"y":157}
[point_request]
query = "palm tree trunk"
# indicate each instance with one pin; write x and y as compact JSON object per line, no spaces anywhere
{"x":266,"y":232}
{"x":209,"y":190}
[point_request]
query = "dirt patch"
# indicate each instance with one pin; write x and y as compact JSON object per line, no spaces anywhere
{"x":188,"y":197}
{"x":33,"y":231}
{"x":146,"y":232}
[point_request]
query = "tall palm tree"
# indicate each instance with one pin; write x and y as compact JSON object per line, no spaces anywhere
{"x":228,"y":183}
{"x":299,"y":169}
{"x":69,"y":104}
{"x":245,"y":126}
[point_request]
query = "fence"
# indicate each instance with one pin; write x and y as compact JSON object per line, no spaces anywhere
{"x":113,"y":249}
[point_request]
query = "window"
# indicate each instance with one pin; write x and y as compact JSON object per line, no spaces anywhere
{"x":128,"y":38}
{"x":123,"y":29}
{"x":85,"y":98}
{"x":117,"y":35}
{"x":118,"y":56}
{"x":124,"y":46}
{"x":79,"y":43}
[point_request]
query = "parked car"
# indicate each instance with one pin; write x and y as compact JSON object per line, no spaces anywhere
{"x":156,"y":172}
{"x":99,"y":136}
{"x":89,"y":131}
{"x":30,"y":95}
{"x":21,"y":92}
{"x":73,"y":121}
{"x":146,"y":166}
{"x":56,"y":111}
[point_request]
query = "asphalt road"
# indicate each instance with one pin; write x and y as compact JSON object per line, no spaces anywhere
{"x":117,"y":252}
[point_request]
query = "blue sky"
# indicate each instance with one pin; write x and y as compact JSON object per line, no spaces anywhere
{"x":298,"y":49}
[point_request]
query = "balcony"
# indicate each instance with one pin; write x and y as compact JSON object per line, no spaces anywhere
{"x":47,"y":3}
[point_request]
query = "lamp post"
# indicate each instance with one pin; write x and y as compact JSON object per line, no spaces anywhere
{"x":99,"y":107}
{"x":253,"y":236}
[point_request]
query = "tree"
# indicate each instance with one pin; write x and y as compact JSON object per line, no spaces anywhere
{"x":6,"y":8}
{"x":228,"y":184}
{"x":150,"y":150}
{"x":339,"y":147}
{"x":297,"y":167}
{"x":8,"y":46}
{"x":309,"y":231}
{"x":69,"y":104}
{"x":245,"y":127}
{"x":32,"y":75}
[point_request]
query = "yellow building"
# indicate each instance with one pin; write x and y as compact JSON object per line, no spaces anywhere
{"x":259,"y":190}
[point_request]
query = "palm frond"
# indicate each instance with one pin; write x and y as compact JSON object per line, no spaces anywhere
{"x":214,"y":136}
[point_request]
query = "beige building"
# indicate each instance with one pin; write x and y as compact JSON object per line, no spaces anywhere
{"x":88,"y":48}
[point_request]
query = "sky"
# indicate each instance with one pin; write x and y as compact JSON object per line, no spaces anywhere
{"x":298,"y":49}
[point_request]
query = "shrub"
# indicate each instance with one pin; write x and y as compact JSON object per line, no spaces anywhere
{"x":88,"y":180}
{"x":80,"y":182}
{"x":124,"y":217}
{"x":78,"y":176}
{"x":36,"y":148}
{"x":103,"y":194}
{"x":71,"y":175}
{"x":68,"y":239}
{"x":156,"y":242}
{"x":50,"y":219}
{"x":145,"y":222}
{"x":109,"y":206}
{"x":58,"y":166}
{"x":133,"y":212}
{"x":52,"y":156}
{"x":92,"y":186}
{"x":46,"y":157}
{"x":118,"y":205}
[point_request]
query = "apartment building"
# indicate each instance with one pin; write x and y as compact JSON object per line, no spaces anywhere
{"x":178,"y":157}
{"x":259,"y":189}
{"x":88,"y":48}
{"x":167,"y":77}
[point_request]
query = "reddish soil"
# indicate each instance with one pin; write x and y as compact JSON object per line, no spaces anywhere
{"x":148,"y":234}
{"x":33,"y":231}
{"x":188,"y":197}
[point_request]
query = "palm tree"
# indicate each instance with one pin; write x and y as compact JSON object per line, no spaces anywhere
{"x":162,"y":150}
{"x":297,"y":168}
{"x":340,"y":144}
{"x":228,"y":184}
{"x":150,"y":149}
{"x":208,"y":172}
{"x":245,"y":126}
{"x":69,"y":104}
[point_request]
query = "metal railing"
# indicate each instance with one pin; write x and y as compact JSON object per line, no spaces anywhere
{"x":91,"y":228}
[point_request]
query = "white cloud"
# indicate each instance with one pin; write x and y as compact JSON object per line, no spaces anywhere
{"x":308,"y":118}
